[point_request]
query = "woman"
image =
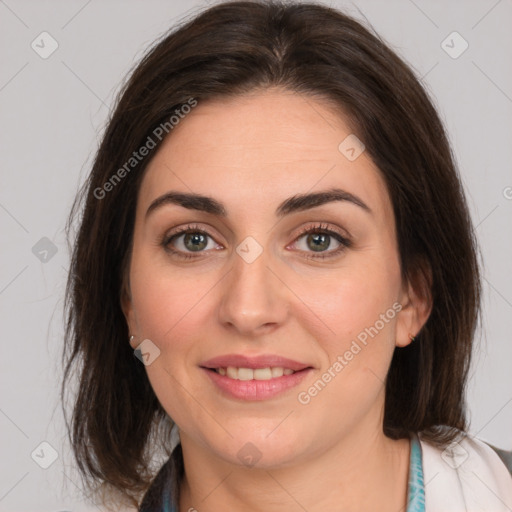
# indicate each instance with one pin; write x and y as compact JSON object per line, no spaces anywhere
{"x":275,"y":279}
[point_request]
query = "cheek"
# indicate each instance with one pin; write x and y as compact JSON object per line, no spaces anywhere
{"x":168,"y":306}
{"x":357,"y":338}
{"x":164,"y":300}
{"x":352,"y":299}
{"x":359,"y":311}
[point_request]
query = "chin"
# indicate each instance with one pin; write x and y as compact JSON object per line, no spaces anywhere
{"x":261,"y":450}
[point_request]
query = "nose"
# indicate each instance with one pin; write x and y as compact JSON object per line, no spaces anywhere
{"x":253,"y":298}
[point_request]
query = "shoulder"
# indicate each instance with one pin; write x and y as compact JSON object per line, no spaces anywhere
{"x":505,"y":456}
{"x":468,"y":476}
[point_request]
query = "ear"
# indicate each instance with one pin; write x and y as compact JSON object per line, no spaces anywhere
{"x":416,"y":301}
{"x":128,"y":311}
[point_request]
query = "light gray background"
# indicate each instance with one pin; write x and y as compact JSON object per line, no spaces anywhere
{"x":53,"y":112}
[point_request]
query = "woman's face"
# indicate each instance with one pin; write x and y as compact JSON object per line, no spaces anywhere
{"x":246,"y":281}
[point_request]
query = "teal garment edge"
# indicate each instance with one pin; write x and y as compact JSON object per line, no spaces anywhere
{"x":167,"y":501}
{"x":415,"y":490}
{"x":416,"y":487}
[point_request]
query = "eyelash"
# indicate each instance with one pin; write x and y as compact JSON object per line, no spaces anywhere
{"x":317,"y":229}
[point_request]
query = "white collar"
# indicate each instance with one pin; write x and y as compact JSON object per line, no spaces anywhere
{"x":466,"y":477}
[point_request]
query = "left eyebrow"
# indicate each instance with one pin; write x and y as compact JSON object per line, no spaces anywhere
{"x":296,"y":203}
{"x":301,"y":202}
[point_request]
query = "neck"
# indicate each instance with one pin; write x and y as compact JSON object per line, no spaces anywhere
{"x":365,"y":471}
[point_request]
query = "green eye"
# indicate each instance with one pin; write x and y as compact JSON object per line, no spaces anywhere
{"x":318,"y":239}
{"x":188,"y":240}
{"x":195,"y":241}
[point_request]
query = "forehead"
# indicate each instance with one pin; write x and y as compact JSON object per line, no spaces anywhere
{"x":260,"y":148}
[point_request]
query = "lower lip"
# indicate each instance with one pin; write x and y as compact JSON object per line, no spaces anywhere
{"x":256,"y":389}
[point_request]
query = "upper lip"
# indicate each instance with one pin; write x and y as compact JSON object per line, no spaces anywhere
{"x":261,"y":361}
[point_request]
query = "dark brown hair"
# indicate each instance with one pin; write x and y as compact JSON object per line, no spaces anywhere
{"x":230,"y":49}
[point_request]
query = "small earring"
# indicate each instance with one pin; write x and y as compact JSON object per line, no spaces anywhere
{"x":131,"y":338}
{"x":411,"y":337}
